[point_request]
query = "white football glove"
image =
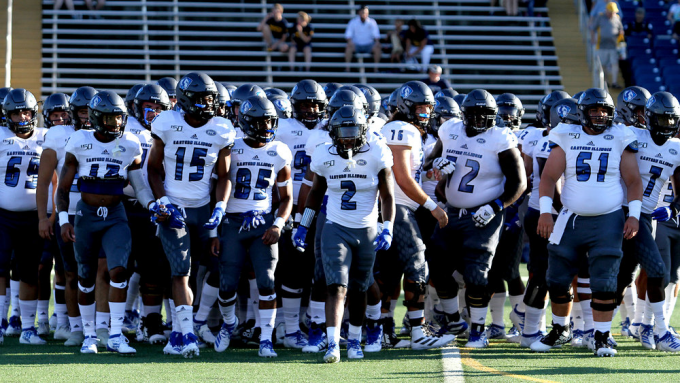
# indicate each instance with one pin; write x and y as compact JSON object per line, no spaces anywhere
{"x":483,"y":215}
{"x":445,"y":166}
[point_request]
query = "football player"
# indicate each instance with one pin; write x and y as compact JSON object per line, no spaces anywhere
{"x":352,"y":172}
{"x":485,"y":176}
{"x":20,"y":148}
{"x":169,"y":85}
{"x":250,"y":229}
{"x":595,"y":158}
{"x":186,"y":148}
{"x":375,"y":123}
{"x":238,"y":96}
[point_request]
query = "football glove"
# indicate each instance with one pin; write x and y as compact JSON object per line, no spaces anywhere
{"x":383,"y":241}
{"x":299,"y":236}
{"x":662,"y":214}
{"x":483,"y":215}
{"x":445,"y":166}
{"x":251,"y":220}
{"x":215,"y":219}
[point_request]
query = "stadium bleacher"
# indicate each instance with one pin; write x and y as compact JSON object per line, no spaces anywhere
{"x":139,"y":41}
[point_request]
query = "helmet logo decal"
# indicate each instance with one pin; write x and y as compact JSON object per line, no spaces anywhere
{"x":283,"y":105}
{"x":629,"y":95}
{"x":650,"y":102}
{"x":185,"y":82}
{"x":245,"y":107}
{"x":583,"y":96}
{"x":95,"y":101}
{"x":563,"y":110}
{"x":436,"y":103}
{"x":364,"y":91}
{"x":406,"y":91}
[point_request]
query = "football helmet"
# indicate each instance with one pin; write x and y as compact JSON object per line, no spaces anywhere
{"x":3,"y":94}
{"x":373,"y":98}
{"x":547,"y":103}
{"x":230,"y":88}
{"x":479,"y":110}
{"x":347,"y":128}
{"x":18,"y":100}
{"x":359,"y":93}
{"x":594,"y":98}
{"x":169,"y":85}
{"x":150,"y":93}
{"x":56,"y":102}
{"x":410,"y":96}
{"x":80,"y":99}
{"x":223,"y":101}
{"x":446,"y":93}
{"x":130,"y":99}
{"x":662,"y":113}
{"x":342,"y":98}
{"x":459,"y":98}
{"x":197,"y":96}
{"x":108,"y":114}
{"x":282,"y":105}
{"x":392,"y":102}
{"x":330,"y":89}
{"x":308,"y":91}
{"x":444,"y":109}
{"x":510,"y":110}
{"x":241,"y":94}
{"x":274,"y":91}
{"x":630,"y":102}
{"x":258,"y":119}
{"x":565,"y":111}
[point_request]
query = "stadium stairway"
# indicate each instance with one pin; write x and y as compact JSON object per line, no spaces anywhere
{"x":135,"y":41}
{"x":26,"y":42}
{"x":569,"y":46}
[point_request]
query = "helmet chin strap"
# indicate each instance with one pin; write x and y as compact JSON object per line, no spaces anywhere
{"x":350,"y":162}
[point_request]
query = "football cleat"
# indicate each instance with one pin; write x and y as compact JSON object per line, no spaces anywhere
{"x":267,"y":349}
{"x":589,"y":339}
{"x":332,"y":354}
{"x":672,"y":330}
{"x":668,"y":342}
{"x":174,"y":345}
{"x":13,"y":326}
{"x":224,"y":336}
{"x":53,"y":322}
{"x":526,"y":340}
{"x":354,"y":349}
{"x":455,"y":328}
{"x":203,"y":332}
{"x":103,"y":336}
{"x":62,"y":332}
{"x":30,"y":336}
{"x":131,"y":321}
{"x":190,"y":347}
{"x":153,"y":328}
{"x":89,"y":345}
{"x":374,"y":336}
{"x":577,"y":339}
{"x":602,"y":346}
{"x":43,"y":328}
{"x":431,"y":341}
{"x":120,"y":344}
{"x":280,"y":333}
{"x":495,"y":332}
{"x":625,"y":326}
{"x":405,"y":326}
{"x":558,"y":336}
{"x":634,"y":331}
{"x":318,"y":341}
{"x":295,"y":340}
{"x":517,"y":319}
{"x":512,"y":333}
{"x":140,"y":333}
{"x":613,"y":342}
{"x":76,"y":338}
{"x":477,"y":339}
{"x":647,"y":336}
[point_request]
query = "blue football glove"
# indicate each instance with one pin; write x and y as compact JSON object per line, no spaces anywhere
{"x":251,"y":220}
{"x":383,"y":241}
{"x":662,"y":214}
{"x":215,"y":219}
{"x":176,"y":220}
{"x":299,"y":236}
{"x":513,"y":225}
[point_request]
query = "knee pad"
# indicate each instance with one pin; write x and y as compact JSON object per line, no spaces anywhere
{"x":535,"y":293}
{"x":120,"y":285}
{"x":604,"y":295}
{"x":477,"y":296}
{"x":560,"y":295}
{"x":227,"y":299}
{"x":603,"y":306}
{"x":418,"y":289}
{"x":84,"y":289}
{"x":268,"y":296}
{"x":287,"y":292}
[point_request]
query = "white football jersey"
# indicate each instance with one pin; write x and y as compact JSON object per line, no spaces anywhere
{"x":375,"y":124}
{"x":525,"y":133}
{"x":56,"y":139}
{"x":19,"y":162}
{"x":190,"y":155}
{"x":253,"y":174}
{"x":478,"y":178}
{"x":352,"y":192}
{"x":103,"y":160}
{"x":530,"y":140}
{"x":656,"y":164}
{"x":295,"y":135}
{"x":593,"y":167}
{"x":144,"y":136}
{"x":666,"y":195}
{"x":429,"y":184}
{"x":400,"y":133}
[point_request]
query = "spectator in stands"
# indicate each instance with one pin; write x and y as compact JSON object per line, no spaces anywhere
{"x":91,"y":7}
{"x":363,"y":36}
{"x":418,"y":43}
{"x":301,"y":40}
{"x":274,"y":26}
{"x":674,"y":12}
{"x":395,"y":38}
{"x":69,"y":5}
{"x":639,"y":26}
{"x":600,"y":8}
{"x":609,"y":32}
{"x":434,"y":79}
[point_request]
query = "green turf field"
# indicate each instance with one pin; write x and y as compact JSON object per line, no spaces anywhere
{"x":501,"y":362}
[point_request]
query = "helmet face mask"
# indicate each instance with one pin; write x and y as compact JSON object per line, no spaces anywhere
{"x":56,"y":110}
{"x":150,"y":101}
{"x":510,"y":116}
{"x":108,"y":115}
{"x":258,"y":119}
{"x":197,"y":96}
{"x":596,"y":110}
{"x":348,"y":131}
{"x":662,"y":115}
{"x":79,"y":105}
{"x":479,"y":111}
{"x":600,"y":118}
{"x":308,"y":101}
{"x":21,"y":111}
{"x":416,"y":102}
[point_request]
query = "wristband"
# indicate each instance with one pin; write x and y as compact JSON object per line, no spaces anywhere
{"x":307,"y":182}
{"x":634,"y":208}
{"x":545,"y":204}
{"x":283,"y":184}
{"x":388,"y":225}
{"x":279,"y":222}
{"x":298,"y":218}
{"x":213,"y":233}
{"x":63,"y":218}
{"x":307,"y":217}
{"x":430,"y":204}
{"x":221,"y":205}
{"x":164,"y":201}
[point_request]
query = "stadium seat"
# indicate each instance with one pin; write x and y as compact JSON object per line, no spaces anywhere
{"x":672,"y":81}
{"x":640,"y":52}
{"x":661,"y":27}
{"x":642,"y":60}
{"x":646,"y":69}
{"x":666,"y":52}
{"x":668,"y":61}
{"x":662,"y":42}
{"x":638,"y":42}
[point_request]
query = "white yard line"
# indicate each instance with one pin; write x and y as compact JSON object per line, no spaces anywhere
{"x":452,"y":366}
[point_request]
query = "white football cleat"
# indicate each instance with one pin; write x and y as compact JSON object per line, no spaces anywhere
{"x":43,"y":328}
{"x":318,"y":341}
{"x":332,"y":354}
{"x":429,"y":341}
{"x":89,"y":345}
{"x":190,"y":348}
{"x":30,"y":336}
{"x":354,"y":349}
{"x":668,"y":342}
{"x":62,"y":332}
{"x":374,"y":335}
{"x":295,"y":340}
{"x":203,"y":332}
{"x":119,"y":343}
{"x":174,"y":345}
{"x":224,"y":336}
{"x":103,"y":336}
{"x":267,"y":349}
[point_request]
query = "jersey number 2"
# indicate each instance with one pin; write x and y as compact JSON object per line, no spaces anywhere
{"x":347,"y":203}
